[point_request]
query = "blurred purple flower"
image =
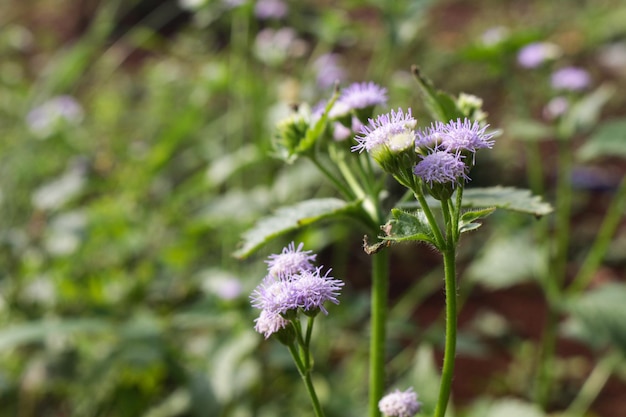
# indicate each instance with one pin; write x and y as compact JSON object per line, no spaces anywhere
{"x":269,"y":323}
{"x":455,"y":136}
{"x":555,"y":108}
{"x":535,"y":54}
{"x":290,"y":261}
{"x":441,"y":167}
{"x":270,"y":9}
{"x":570,"y":79}
{"x":328,"y":70}
{"x":399,"y":404}
{"x":44,"y":119}
{"x":362,"y":95}
{"x":340,"y":132}
{"x":394,"y":129}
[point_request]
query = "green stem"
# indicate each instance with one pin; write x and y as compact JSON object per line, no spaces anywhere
{"x":593,"y":385}
{"x":431,"y":220}
{"x":380,"y":288}
{"x":603,"y":240}
{"x":345,"y":191}
{"x":447,"y":373}
{"x":306,"y":378}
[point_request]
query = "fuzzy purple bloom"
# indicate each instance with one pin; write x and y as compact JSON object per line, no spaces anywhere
{"x":269,"y":323}
{"x":290,"y":261}
{"x":311,"y":290}
{"x":535,"y":54}
{"x":328,"y":70}
{"x":571,"y":79}
{"x":399,"y":404}
{"x":395,"y":130}
{"x":275,"y":295}
{"x":362,"y":95}
{"x":441,"y":167}
{"x":456,"y":136}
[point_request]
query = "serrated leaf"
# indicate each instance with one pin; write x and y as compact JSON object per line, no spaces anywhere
{"x":508,"y":198}
{"x":466,"y":223}
{"x":608,"y":140}
{"x":599,"y":315}
{"x":405,"y":226}
{"x":287,"y":219}
{"x":440,"y":105}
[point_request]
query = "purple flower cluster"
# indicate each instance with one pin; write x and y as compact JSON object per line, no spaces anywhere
{"x":393,"y":130}
{"x":362,"y":95}
{"x":456,"y":136}
{"x":399,"y":404}
{"x":441,"y":167}
{"x":293,"y":283}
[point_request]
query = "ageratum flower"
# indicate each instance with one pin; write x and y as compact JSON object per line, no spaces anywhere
{"x":455,"y":136}
{"x":269,"y":323}
{"x":536,"y":53}
{"x":393,"y":131}
{"x":399,"y":404}
{"x":290,"y":261}
{"x":363,"y":95}
{"x":441,"y":167}
{"x":275,"y":295}
{"x":311,"y":290}
{"x":570,"y":79}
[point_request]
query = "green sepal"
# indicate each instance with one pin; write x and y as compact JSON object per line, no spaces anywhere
{"x":287,"y":219}
{"x":406,"y":226}
{"x":467,"y":220}
{"x":441,"y":105}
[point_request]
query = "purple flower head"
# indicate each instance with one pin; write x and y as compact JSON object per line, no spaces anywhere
{"x":394,"y":130}
{"x":275,"y":295}
{"x":535,"y":54}
{"x":362,"y":95}
{"x":328,"y":70}
{"x":571,"y":79}
{"x":456,"y":136}
{"x":399,"y":404}
{"x":290,"y":261}
{"x":441,"y":167}
{"x":340,"y":132}
{"x":269,"y":323}
{"x":555,"y":108}
{"x":311,"y":289}
{"x":270,"y":9}
{"x":43,"y":119}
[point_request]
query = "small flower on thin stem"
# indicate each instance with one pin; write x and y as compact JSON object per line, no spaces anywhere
{"x":269,"y":323}
{"x":570,"y":79}
{"x":399,"y":404}
{"x":290,"y":261}
{"x":455,"y":136}
{"x":275,"y":295}
{"x":536,"y":53}
{"x":362,"y":95}
{"x":441,"y":167}
{"x":311,"y":290}
{"x":394,"y":130}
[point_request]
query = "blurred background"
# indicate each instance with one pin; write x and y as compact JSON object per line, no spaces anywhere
{"x":135,"y":149}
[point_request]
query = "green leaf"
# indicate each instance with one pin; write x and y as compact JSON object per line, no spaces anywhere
{"x":598,"y":316}
{"x":466,"y":223}
{"x":287,"y":219}
{"x":529,"y":130}
{"x":508,"y":198}
{"x":405,"y":226}
{"x":440,"y":105}
{"x":584,"y":114}
{"x":313,"y":133}
{"x":608,"y":140}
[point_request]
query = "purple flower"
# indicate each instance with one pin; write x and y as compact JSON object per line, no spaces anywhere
{"x":399,"y":404}
{"x":290,"y":261}
{"x":571,"y":79}
{"x":44,"y":119}
{"x":328,"y":70}
{"x":311,"y":290}
{"x":269,"y":323}
{"x":362,"y":95}
{"x":340,"y":132}
{"x":275,"y":295}
{"x":555,"y":108}
{"x":535,"y":54}
{"x":394,"y":130}
{"x":456,"y":136}
{"x":270,"y":9}
{"x":441,"y":167}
